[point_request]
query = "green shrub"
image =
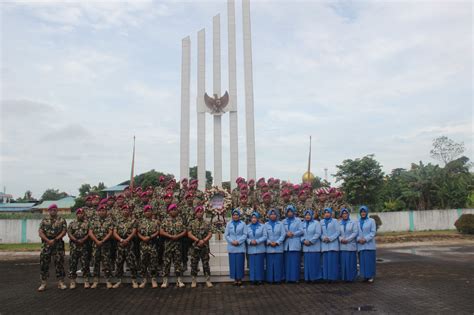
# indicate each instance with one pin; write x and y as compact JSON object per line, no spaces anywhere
{"x":378,"y":221}
{"x":465,"y":224}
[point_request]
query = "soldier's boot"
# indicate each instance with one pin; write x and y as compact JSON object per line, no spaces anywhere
{"x":143,"y":284}
{"x":72,"y":284}
{"x":42,"y":287}
{"x":194,"y":282}
{"x":95,"y":283}
{"x":134,"y":284}
{"x":164,"y":285}
{"x":109,"y":284}
{"x":154,"y":284}
{"x":86,"y":284}
{"x":208,"y":282}
{"x":117,"y":285}
{"x":180,"y":283}
{"x":61,"y":285}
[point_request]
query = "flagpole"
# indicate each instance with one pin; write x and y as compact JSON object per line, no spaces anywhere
{"x":309,"y":157}
{"x":133,"y":166}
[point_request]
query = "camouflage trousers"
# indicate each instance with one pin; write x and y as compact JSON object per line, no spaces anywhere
{"x":78,"y":253}
{"x":101,"y":256}
{"x":172,"y":255}
{"x":149,"y":259}
{"x":186,"y":245}
{"x":126,"y":254}
{"x":200,"y":253}
{"x":57,"y":252}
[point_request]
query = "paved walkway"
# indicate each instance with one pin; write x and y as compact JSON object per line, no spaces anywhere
{"x":428,"y":279}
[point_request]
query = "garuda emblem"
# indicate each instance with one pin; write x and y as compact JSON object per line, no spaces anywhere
{"x":217,"y":104}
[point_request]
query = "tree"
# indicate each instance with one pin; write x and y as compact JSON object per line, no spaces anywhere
{"x":28,"y":196}
{"x":362,"y":181}
{"x":84,"y":190}
{"x":446,"y":150}
{"x":150,"y":178}
{"x":53,"y":194}
{"x":193,"y":175}
{"x":317,"y":182}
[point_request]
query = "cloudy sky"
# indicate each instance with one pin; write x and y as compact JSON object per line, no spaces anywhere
{"x":79,"y":79}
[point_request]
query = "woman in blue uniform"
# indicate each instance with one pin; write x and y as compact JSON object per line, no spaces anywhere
{"x":366,"y":245}
{"x":235,"y":235}
{"x":256,"y":239}
{"x":330,"y":246}
{"x":311,"y":247}
{"x":292,"y":245}
{"x":348,"y":247}
{"x":274,"y":252}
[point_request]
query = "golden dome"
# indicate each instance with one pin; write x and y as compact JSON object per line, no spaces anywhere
{"x":308,"y":177}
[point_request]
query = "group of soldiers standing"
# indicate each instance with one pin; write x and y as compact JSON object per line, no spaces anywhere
{"x":155,"y":227}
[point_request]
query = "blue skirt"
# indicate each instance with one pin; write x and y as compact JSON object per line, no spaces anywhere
{"x":367,"y":263}
{"x":274,"y":270}
{"x":292,"y":266}
{"x":331,"y":265}
{"x":236,"y":265}
{"x":257,"y":267}
{"x":312,"y":266}
{"x":348,"y":265}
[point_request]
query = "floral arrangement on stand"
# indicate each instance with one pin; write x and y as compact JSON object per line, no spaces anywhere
{"x":218,"y":203}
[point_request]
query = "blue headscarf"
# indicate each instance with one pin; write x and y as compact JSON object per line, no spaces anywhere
{"x":272,"y":223}
{"x":254,"y":226}
{"x":344,"y":222}
{"x":290,"y":219}
{"x":310,"y":212}
{"x":235,"y":223}
{"x":362,"y":220}
{"x":327,"y":220}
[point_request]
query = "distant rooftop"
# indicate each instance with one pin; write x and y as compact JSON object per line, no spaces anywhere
{"x":116,"y":188}
{"x":66,"y":202}
{"x":16,"y":206}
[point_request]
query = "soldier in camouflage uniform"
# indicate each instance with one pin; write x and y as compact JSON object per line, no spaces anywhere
{"x":51,"y":231}
{"x":78,"y":236}
{"x":199,"y":196}
{"x":265,"y":206}
{"x":116,"y":211}
{"x":252,"y":194}
{"x":301,"y":204}
{"x":235,"y":194}
{"x":285,"y":201}
{"x":173,"y":230}
{"x":245,"y":208}
{"x":148,"y":231}
{"x":100,"y":231}
{"x":199,"y":232}
{"x":124,"y":232}
{"x":186,"y":214}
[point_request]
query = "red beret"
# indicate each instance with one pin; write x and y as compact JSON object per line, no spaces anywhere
{"x":184,"y":180}
{"x":302,"y":192}
{"x":172,"y":206}
{"x":194,"y":181}
{"x":120,"y":197}
{"x":188,"y":195}
{"x":125,"y":207}
{"x":103,"y":201}
{"x":80,"y":210}
{"x":147,"y":208}
{"x":102,"y":206}
{"x":251,"y":181}
{"x":265,"y":195}
{"x":284,"y":192}
{"x":168,"y":195}
{"x":261,"y":179}
{"x":198,"y":209}
{"x":239,"y":179}
{"x":162,"y":178}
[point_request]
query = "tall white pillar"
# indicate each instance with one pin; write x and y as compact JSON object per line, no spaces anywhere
{"x":216,"y":67}
{"x":233,"y":125}
{"x":185,"y":106}
{"x":248,"y":81}
{"x":201,"y":109}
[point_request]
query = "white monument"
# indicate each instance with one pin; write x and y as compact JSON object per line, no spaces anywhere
{"x":218,"y":104}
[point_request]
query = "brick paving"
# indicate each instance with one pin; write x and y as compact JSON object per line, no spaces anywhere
{"x":437,"y":279}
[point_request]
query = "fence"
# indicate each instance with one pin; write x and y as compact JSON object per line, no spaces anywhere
{"x":26,"y":230}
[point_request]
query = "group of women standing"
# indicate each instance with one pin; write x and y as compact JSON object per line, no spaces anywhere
{"x":275,"y":248}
